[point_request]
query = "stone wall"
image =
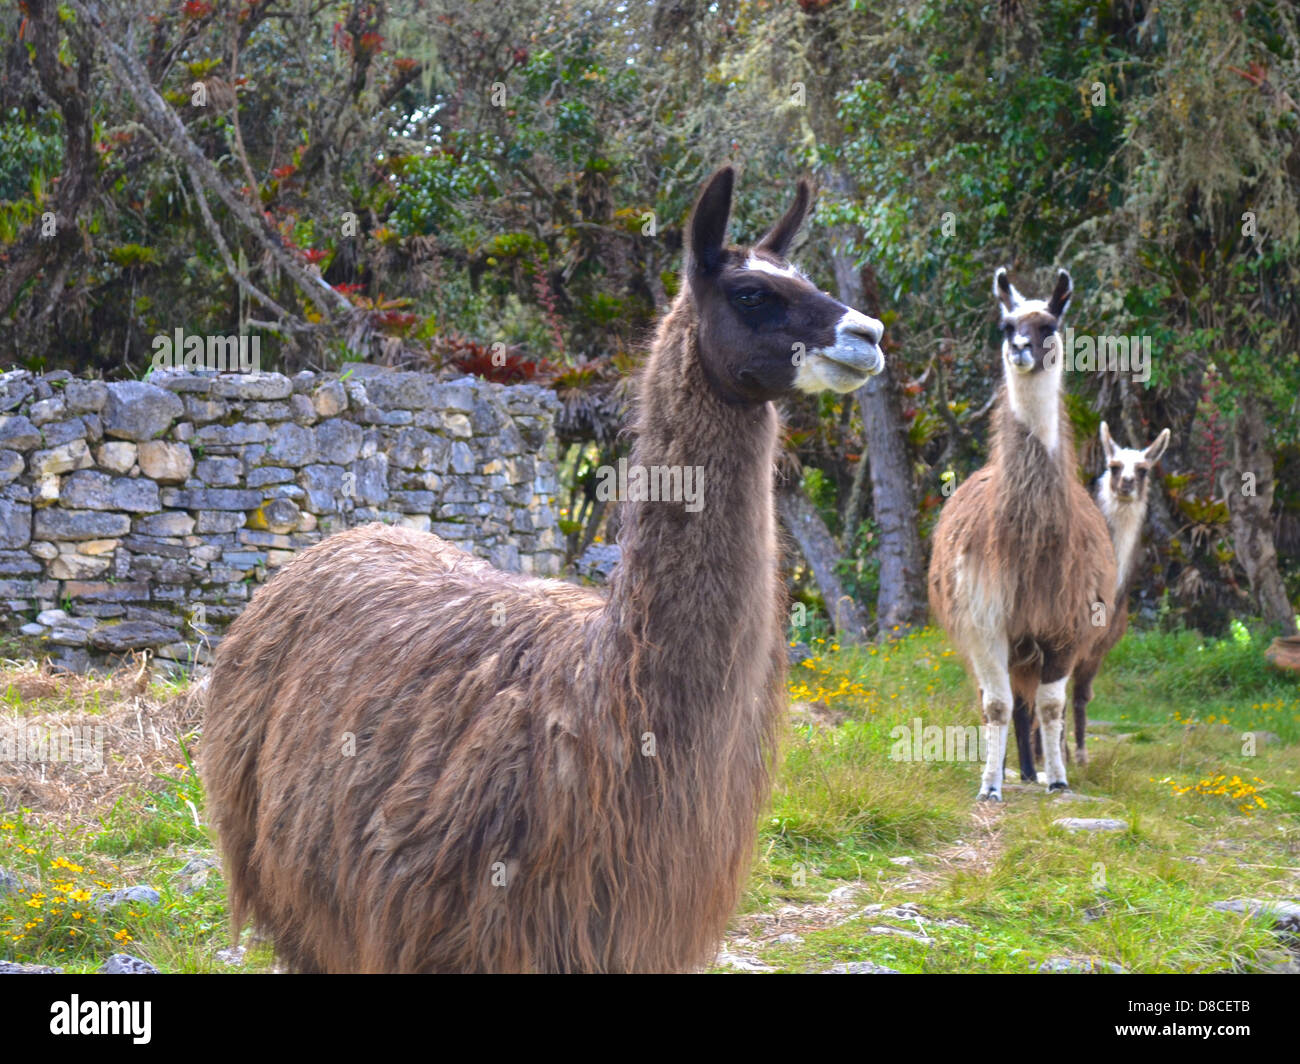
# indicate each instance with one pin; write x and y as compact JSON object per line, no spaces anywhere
{"x":141,"y":515}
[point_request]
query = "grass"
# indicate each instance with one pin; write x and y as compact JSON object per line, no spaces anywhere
{"x":862,"y":855}
{"x":1211,"y":814}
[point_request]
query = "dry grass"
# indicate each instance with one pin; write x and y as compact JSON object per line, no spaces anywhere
{"x":147,"y":728}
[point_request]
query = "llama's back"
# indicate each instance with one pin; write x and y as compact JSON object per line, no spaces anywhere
{"x":368,"y":737}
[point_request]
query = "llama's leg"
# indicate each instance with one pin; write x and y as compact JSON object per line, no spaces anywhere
{"x":1023,"y":717}
{"x":1051,"y":716}
{"x":990,"y":668}
{"x":1082,"y":696}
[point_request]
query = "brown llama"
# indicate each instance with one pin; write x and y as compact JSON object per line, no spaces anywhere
{"x":418,"y":763}
{"x":1022,"y":569}
{"x":1122,"y":495}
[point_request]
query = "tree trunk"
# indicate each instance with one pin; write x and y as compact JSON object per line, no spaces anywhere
{"x":69,"y":87}
{"x":1249,"y":490}
{"x":901,"y":600}
{"x":821,"y":552}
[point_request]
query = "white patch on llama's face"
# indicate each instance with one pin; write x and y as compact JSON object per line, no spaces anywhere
{"x":764,"y":266}
{"x":849,"y":361}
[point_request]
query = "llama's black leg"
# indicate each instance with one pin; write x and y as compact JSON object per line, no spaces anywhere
{"x":1021,"y":715}
{"x":1082,"y":696}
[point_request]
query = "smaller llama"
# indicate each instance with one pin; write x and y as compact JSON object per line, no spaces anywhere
{"x":1122,"y":495}
{"x":1023,"y":569}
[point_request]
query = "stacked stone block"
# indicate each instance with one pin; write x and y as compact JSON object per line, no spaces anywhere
{"x":141,"y":515}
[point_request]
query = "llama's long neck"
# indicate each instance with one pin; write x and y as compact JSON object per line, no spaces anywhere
{"x":1035,"y":402}
{"x":1032,"y":447}
{"x":1032,"y":456}
{"x":694,"y":600}
{"x":1124,"y":519}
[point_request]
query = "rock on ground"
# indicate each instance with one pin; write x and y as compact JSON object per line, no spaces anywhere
{"x":138,"y":895}
{"x":1084,"y":965}
{"x":1284,"y":914}
{"x":125,"y":964}
{"x":1085,"y":823}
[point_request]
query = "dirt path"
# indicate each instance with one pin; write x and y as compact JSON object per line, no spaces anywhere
{"x":977,"y":852}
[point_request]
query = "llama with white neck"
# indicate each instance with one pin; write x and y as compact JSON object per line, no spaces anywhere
{"x":1122,"y":495}
{"x":1022,"y":563}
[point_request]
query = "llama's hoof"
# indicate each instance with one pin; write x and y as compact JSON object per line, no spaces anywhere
{"x":1028,"y":777}
{"x":1059,"y":785}
{"x":989,"y":796}
{"x":1081,"y":756}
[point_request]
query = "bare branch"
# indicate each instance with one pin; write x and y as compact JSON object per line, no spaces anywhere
{"x":159,"y":117}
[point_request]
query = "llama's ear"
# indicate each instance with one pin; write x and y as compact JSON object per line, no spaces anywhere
{"x":778,"y":241}
{"x":1061,"y":294}
{"x":1107,"y":444}
{"x":707,"y":232}
{"x":1005,"y":290}
{"x":1157,"y":448}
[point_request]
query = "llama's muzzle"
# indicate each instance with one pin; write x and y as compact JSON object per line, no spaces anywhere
{"x":1021,"y":359}
{"x":857,"y":344}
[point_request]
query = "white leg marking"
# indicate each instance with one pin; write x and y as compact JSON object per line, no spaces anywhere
{"x":989,"y":664}
{"x":1051,"y":717}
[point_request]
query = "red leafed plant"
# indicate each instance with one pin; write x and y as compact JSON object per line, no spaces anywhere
{"x":494,"y":363}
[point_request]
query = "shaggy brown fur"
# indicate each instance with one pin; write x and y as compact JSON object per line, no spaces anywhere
{"x":1037,"y":535}
{"x":418,"y":763}
{"x":1022,"y":566}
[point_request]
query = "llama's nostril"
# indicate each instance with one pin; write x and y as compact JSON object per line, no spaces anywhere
{"x":869,"y":330}
{"x":859,"y":326}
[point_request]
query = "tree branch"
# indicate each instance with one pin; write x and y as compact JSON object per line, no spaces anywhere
{"x":167,"y":127}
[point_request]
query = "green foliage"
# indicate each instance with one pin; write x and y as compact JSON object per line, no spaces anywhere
{"x":432,"y":191}
{"x":128,"y":255}
{"x":30,"y":154}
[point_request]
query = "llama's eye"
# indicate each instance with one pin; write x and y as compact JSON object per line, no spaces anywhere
{"x":1115,"y":467}
{"x":752,"y":298}
{"x":1009,"y":331}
